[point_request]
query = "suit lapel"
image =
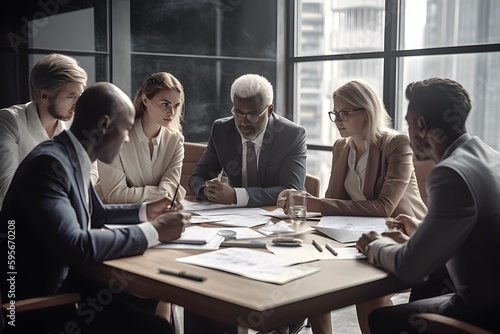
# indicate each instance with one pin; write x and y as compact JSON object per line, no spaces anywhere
{"x":73,"y":158}
{"x":372,"y":171}
{"x":265,"y":150}
{"x":340,"y":172}
{"x":235,"y":154}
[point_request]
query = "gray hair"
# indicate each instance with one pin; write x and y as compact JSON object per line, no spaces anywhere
{"x":249,"y":85}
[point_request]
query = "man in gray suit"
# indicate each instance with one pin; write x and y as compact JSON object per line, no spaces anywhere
{"x":463,"y":220}
{"x":254,"y":133}
{"x":58,"y":219}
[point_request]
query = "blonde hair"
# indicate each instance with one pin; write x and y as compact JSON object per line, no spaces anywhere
{"x":53,"y":72}
{"x":151,"y":86}
{"x":361,"y":94}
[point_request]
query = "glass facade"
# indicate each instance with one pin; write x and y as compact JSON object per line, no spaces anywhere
{"x":336,"y":41}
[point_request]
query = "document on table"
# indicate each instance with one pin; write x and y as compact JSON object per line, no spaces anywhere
{"x":349,"y":228}
{"x":240,"y":220}
{"x":250,"y":263}
{"x":212,"y":209}
{"x":241,"y":232}
{"x":308,"y":253}
{"x":278,"y":213}
{"x":195,"y":237}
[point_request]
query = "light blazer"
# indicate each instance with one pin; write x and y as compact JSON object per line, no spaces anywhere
{"x":46,"y":204}
{"x":390,"y":184}
{"x":20,"y":131}
{"x":133,"y":178}
{"x":282,"y":160}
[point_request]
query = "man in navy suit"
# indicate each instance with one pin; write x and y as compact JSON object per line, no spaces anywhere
{"x":58,"y":220}
{"x":279,"y":145}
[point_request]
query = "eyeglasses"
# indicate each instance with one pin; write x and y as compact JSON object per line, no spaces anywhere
{"x":342,"y":115}
{"x":250,"y":117}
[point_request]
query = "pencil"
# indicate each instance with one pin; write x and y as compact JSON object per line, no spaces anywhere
{"x":318,"y":247}
{"x":333,"y":251}
{"x":182,"y":274}
{"x":175,"y":196}
{"x":219,"y":178}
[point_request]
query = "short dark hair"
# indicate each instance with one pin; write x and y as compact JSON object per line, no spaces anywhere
{"x":443,"y":103}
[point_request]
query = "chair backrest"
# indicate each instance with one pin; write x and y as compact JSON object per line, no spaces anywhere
{"x":422,"y":170}
{"x":312,"y":185}
{"x":437,"y":324}
{"x":192,"y":154}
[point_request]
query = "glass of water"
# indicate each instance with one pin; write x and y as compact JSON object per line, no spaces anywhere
{"x":298,"y":206}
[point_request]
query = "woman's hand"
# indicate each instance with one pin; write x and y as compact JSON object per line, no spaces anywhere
{"x":282,"y":200}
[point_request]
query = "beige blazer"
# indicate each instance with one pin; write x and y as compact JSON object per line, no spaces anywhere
{"x":390,"y":184}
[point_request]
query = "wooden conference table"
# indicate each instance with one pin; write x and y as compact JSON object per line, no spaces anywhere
{"x":229,"y":302}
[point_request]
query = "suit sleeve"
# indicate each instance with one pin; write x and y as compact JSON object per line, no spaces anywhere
{"x":9,"y":137}
{"x":292,"y":173}
{"x":451,"y":217}
{"x":207,"y":168}
{"x":399,"y":161}
{"x":59,"y":212}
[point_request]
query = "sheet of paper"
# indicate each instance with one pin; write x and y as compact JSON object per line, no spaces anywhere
{"x":278,"y":213}
{"x":240,"y":220}
{"x":354,"y":223}
{"x":250,"y":263}
{"x":347,"y":229}
{"x":206,"y":219}
{"x":308,"y":253}
{"x":241,"y":232}
{"x":193,"y":234}
{"x":278,"y":228}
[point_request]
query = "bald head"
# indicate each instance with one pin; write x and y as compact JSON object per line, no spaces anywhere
{"x":103,"y":115}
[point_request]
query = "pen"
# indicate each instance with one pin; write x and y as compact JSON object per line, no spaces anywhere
{"x":318,"y":247}
{"x":219,"y":178}
{"x":175,"y":196}
{"x":182,"y":274}
{"x":333,"y":251}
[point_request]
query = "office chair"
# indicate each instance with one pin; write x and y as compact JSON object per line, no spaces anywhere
{"x":25,"y":306}
{"x":438,"y":324}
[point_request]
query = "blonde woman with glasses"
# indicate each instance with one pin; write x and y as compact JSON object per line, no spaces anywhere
{"x":372,"y":173}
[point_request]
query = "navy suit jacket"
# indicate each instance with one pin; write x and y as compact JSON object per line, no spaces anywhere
{"x":46,"y":207}
{"x":282,"y":160}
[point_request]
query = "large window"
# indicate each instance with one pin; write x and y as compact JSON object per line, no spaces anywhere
{"x":391,"y":43}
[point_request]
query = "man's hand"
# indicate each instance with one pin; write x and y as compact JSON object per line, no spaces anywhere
{"x":397,"y":236}
{"x":171,"y":224}
{"x":365,"y":239}
{"x":403,"y":223}
{"x":220,"y":191}
{"x":154,"y":209}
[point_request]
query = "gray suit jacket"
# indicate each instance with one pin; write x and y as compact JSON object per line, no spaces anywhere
{"x":461,"y":229}
{"x":46,"y":207}
{"x":282,"y":160}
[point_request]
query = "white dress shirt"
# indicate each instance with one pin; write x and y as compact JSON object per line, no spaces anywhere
{"x":136,"y":176}
{"x":20,"y":131}
{"x":355,"y":178}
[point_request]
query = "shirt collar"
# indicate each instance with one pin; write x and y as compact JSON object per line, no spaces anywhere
{"x":139,"y":131}
{"x":257,"y":140}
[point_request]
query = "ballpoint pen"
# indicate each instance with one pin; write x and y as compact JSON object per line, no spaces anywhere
{"x":333,"y":251}
{"x":219,"y":178}
{"x":175,"y":196}
{"x":318,"y":247}
{"x":182,"y":274}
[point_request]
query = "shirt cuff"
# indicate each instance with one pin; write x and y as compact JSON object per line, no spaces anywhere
{"x":242,"y":196}
{"x":150,"y":233}
{"x":147,"y":228}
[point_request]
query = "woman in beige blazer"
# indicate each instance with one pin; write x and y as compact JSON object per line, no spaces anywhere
{"x":372,"y":173}
{"x":149,"y":164}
